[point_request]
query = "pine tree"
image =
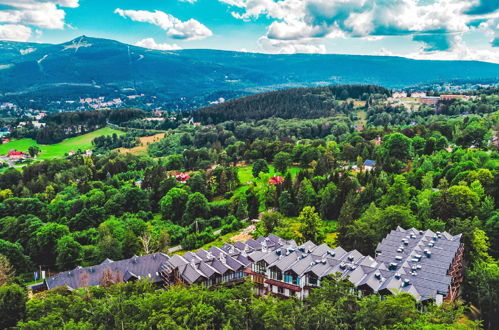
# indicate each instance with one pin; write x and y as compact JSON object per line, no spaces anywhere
{"x":253,"y":204}
{"x":311,"y":225}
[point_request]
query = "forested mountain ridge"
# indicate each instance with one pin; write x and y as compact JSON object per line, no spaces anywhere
{"x":95,"y":67}
{"x":304,"y":103}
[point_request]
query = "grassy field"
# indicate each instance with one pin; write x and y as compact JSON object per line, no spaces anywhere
{"x":362,"y":118}
{"x":58,"y":150}
{"x":145,"y":141}
{"x":245,"y":175}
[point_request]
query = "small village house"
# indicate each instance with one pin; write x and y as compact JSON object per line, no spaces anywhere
{"x":369,"y":165}
{"x":16,"y":155}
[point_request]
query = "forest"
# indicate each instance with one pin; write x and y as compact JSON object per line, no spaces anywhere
{"x":290,"y":103}
{"x":439,"y":173}
{"x":62,"y":125}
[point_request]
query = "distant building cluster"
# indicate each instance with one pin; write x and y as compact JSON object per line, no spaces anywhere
{"x":432,"y":100}
{"x":99,"y":103}
{"x":421,"y":98}
{"x":8,"y":106}
{"x":424,"y":264}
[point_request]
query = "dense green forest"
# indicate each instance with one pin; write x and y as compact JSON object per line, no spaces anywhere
{"x":141,"y":306}
{"x":439,"y":172}
{"x":291,"y":103}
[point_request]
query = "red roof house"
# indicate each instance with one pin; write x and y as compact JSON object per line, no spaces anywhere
{"x":276,"y":180}
{"x":14,"y":154}
{"x":183,"y":177}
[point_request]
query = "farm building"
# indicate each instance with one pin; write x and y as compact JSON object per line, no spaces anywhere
{"x":16,"y":155}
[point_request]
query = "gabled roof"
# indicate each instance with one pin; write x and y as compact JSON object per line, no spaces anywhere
{"x":136,"y":267}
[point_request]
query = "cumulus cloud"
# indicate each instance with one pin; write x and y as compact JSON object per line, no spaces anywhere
{"x":435,"y":42}
{"x":14,"y":32}
{"x":48,"y":14}
{"x":274,"y":46}
{"x":491,"y":29}
{"x":152,"y":44}
{"x":434,"y":23}
{"x":479,"y":7}
{"x":460,"y":52}
{"x":190,"y":29}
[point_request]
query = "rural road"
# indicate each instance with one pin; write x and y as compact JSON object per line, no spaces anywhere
{"x":7,"y":159}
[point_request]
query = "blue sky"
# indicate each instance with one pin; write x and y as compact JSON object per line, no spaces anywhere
{"x":429,"y":29}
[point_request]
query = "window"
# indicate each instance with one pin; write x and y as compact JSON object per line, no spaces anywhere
{"x":275,"y":274}
{"x":228,"y":276}
{"x":291,"y":278}
{"x":260,"y":267}
{"x":280,"y":290}
{"x":312,"y":279}
{"x":259,"y":279}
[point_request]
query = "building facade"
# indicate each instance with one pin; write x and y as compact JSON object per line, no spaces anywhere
{"x":425,"y":264}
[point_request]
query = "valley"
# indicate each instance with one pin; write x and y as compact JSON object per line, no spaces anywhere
{"x":319,"y":177}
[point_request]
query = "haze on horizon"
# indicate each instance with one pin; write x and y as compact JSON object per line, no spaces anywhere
{"x":422,"y":29}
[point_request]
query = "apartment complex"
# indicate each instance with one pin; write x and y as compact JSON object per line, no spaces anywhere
{"x":425,"y":264}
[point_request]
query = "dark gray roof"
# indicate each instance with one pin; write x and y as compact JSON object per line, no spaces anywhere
{"x":422,"y":259}
{"x":137,"y":267}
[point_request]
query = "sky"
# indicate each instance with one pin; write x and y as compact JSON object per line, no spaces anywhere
{"x":421,"y":29}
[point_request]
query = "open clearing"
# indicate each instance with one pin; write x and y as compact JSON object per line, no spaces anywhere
{"x":144,"y":143}
{"x":362,"y":118}
{"x":245,"y":175}
{"x":58,"y":150}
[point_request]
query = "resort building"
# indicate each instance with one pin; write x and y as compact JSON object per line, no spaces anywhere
{"x":425,"y":264}
{"x":429,"y":100}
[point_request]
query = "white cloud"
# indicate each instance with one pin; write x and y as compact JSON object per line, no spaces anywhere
{"x":190,"y":29}
{"x":434,"y":23}
{"x":189,"y":1}
{"x":459,"y":51}
{"x":39,"y":13}
{"x":14,"y":32}
{"x":151,"y":44}
{"x":290,"y":47}
{"x":491,"y":29}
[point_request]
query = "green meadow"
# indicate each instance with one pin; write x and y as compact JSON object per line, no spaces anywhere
{"x":58,"y":150}
{"x":245,"y":175}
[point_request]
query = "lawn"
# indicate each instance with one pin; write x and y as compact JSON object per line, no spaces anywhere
{"x":362,"y":118}
{"x":245,"y":175}
{"x":58,"y":150}
{"x":144,"y":143}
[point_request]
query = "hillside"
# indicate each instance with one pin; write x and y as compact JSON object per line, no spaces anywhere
{"x":58,"y":150}
{"x":302,"y":103}
{"x":94,"y":67}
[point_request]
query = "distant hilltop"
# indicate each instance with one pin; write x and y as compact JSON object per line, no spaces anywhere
{"x":100,"y":67}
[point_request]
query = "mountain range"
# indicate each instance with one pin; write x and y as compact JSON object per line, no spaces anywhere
{"x":94,"y":67}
